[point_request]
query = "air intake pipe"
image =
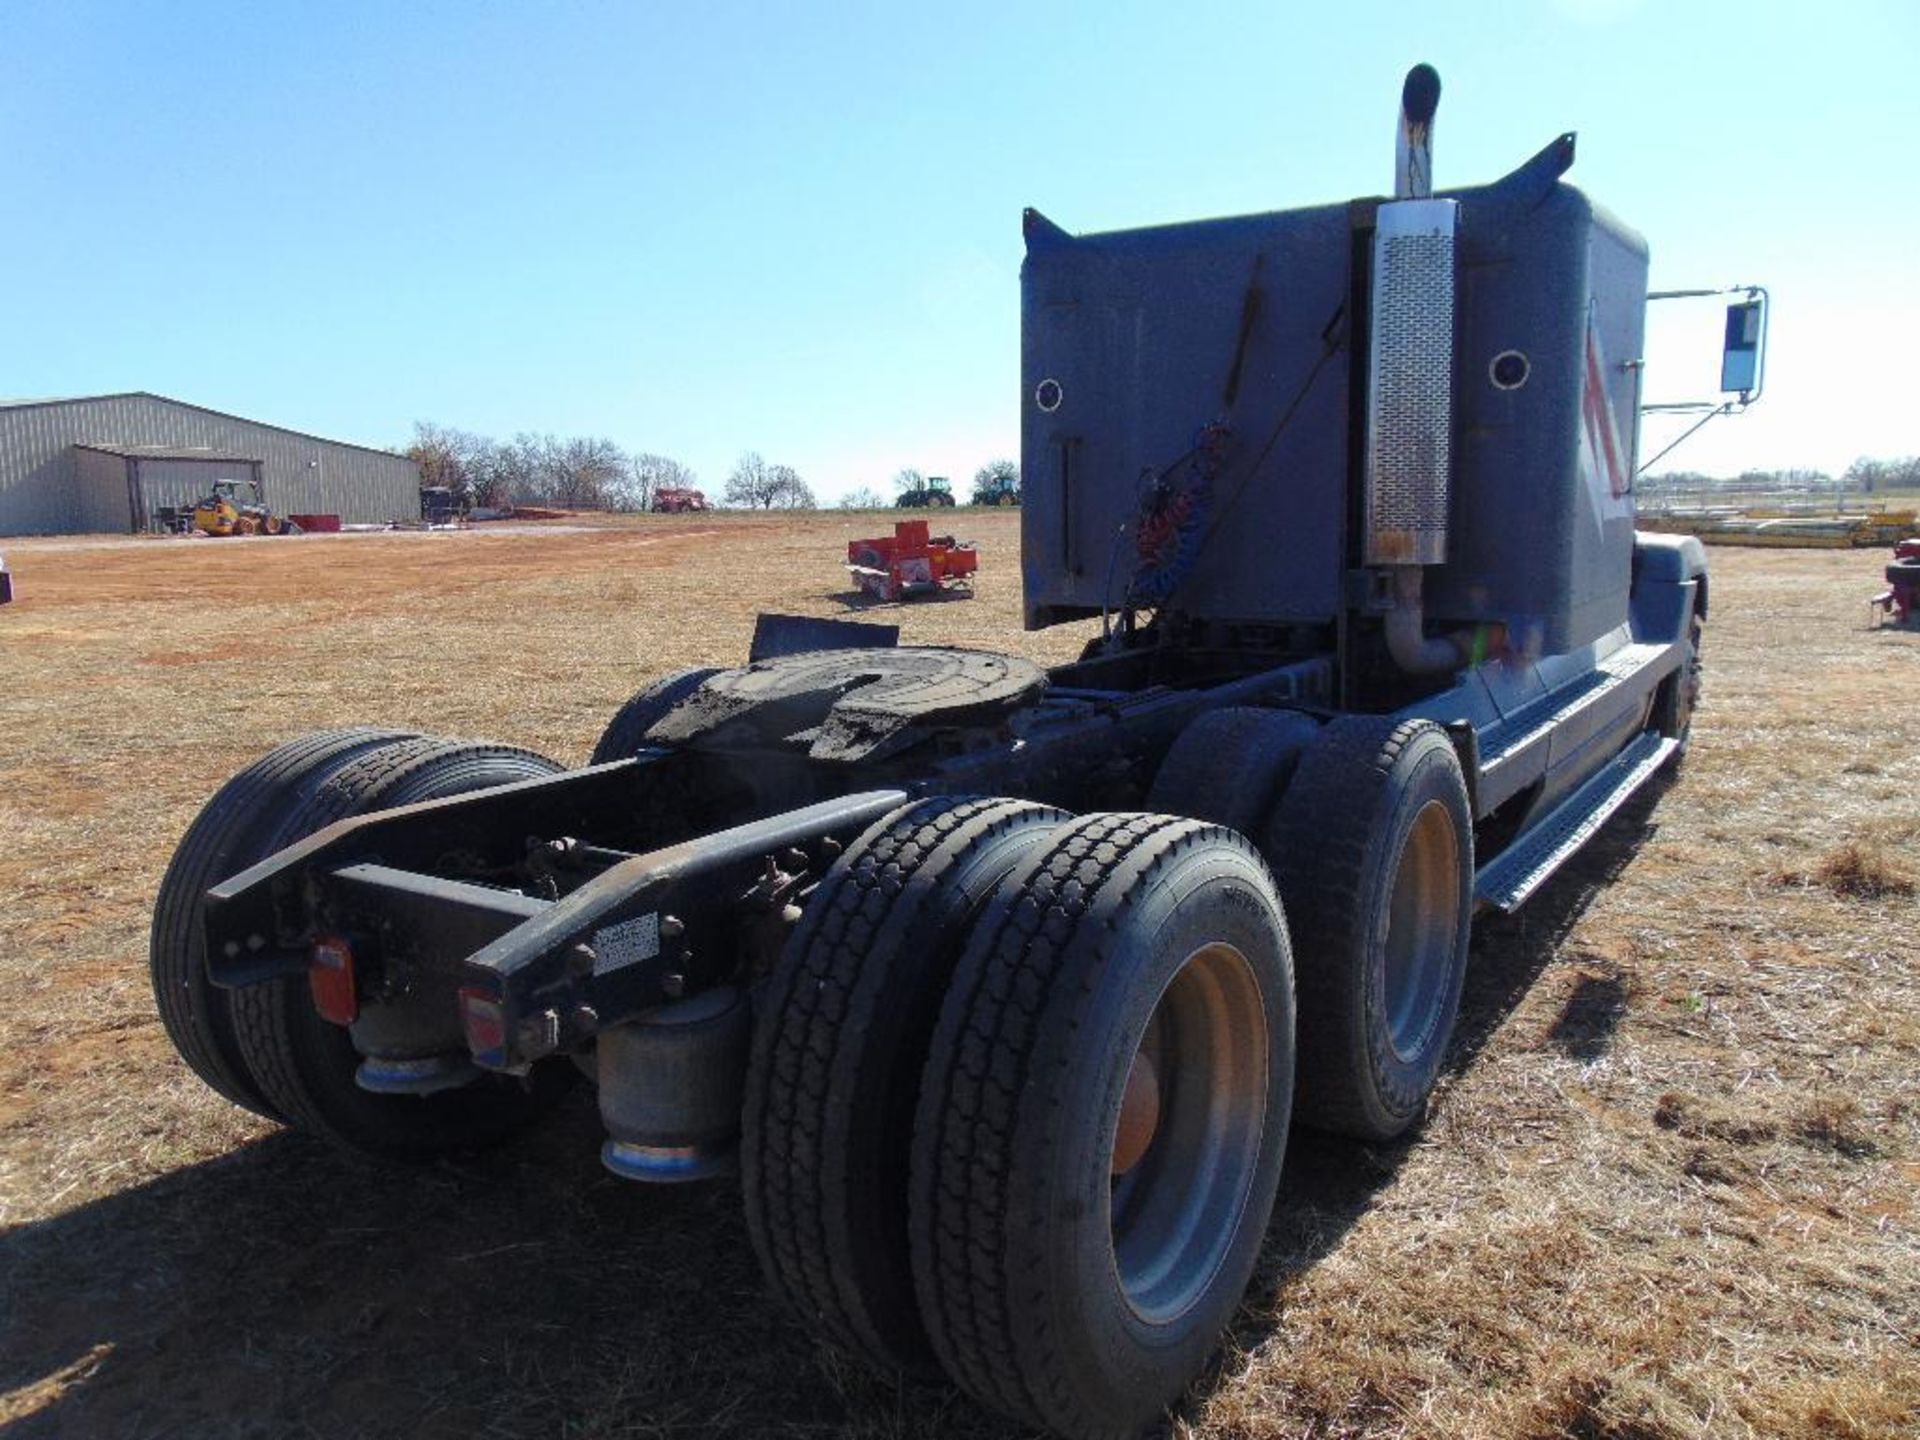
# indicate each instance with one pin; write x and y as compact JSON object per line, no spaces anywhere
{"x":1409,"y":452}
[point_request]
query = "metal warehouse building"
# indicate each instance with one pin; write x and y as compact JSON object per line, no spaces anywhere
{"x":111,"y":462}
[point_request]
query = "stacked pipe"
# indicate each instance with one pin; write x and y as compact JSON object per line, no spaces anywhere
{"x":1410,"y":385}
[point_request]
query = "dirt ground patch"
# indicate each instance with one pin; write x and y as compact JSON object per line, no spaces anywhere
{"x":1666,"y":1189}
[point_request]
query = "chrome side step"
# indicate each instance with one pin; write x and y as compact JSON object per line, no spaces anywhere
{"x":1523,"y":867}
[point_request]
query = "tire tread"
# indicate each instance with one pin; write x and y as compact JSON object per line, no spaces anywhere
{"x":626,"y":731}
{"x":1319,"y":845}
{"x":232,"y":831}
{"x":977,"y":1094}
{"x":817,"y":1009}
{"x":264,"y":1016}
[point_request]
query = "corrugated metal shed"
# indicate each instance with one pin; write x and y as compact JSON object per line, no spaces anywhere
{"x":71,"y":466}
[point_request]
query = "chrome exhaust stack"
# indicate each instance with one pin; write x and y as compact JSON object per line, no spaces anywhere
{"x":1413,"y":155}
{"x":1409,"y":451}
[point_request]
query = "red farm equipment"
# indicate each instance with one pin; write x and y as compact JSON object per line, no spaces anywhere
{"x":910,"y":564}
{"x":677,"y":500}
{"x":1900,"y":601}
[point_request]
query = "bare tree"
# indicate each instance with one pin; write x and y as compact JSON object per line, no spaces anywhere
{"x":790,"y":492}
{"x":1869,"y":475}
{"x":454,"y":458}
{"x":512,"y":470}
{"x":581,"y":471}
{"x":759,"y":486}
{"x":751,"y":483}
{"x":862,"y":497}
{"x":907,"y":480}
{"x":648,"y":474}
{"x":577,"y":472}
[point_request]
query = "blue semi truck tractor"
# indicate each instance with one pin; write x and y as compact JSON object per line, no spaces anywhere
{"x":996,"y":988}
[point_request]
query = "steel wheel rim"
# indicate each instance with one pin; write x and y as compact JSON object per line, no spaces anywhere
{"x":1174,"y":1213}
{"x":1422,"y":918}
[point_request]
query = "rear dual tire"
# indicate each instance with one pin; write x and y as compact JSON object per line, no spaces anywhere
{"x":1081,"y":1236}
{"x":1230,"y":764}
{"x":922,"y":1191}
{"x":842,"y":1035}
{"x":236,"y":828}
{"x":1366,"y":823}
{"x":626,"y":732}
{"x":265,"y":1046}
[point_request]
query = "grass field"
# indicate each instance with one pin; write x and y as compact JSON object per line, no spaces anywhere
{"x":1667,"y":1189}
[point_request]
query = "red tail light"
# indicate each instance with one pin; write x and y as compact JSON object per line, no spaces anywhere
{"x":330,"y":976}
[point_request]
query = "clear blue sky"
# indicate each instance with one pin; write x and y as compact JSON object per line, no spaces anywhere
{"x":706,"y":228}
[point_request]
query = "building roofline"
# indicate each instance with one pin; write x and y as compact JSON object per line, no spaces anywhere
{"x":168,"y":452}
{"x":204,"y":410}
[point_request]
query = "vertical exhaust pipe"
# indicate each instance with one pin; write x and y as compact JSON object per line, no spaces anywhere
{"x":1413,"y":155}
{"x":1409,"y":457}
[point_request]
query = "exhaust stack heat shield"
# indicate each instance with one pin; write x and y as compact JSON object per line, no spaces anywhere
{"x":1410,"y":384}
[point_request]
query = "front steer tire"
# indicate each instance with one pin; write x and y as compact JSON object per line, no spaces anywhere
{"x":1680,"y":696}
{"x":304,"y":1065}
{"x":842,"y":1034}
{"x":1372,"y":845}
{"x":1061,"y":1284}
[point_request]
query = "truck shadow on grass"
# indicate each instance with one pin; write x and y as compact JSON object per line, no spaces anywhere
{"x":288,"y":1289}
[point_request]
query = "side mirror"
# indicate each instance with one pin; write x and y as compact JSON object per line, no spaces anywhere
{"x":1741,"y":359}
{"x":1743,"y":362}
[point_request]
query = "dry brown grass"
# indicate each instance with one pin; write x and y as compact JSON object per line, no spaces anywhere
{"x":1667,"y":1188}
{"x":1862,"y":871}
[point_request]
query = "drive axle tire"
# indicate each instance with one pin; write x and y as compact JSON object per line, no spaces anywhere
{"x":842,"y":1034}
{"x":626,"y":732}
{"x":304,"y":1065}
{"x":1228,"y":765}
{"x":1372,"y":845}
{"x":237,"y":827}
{"x":1102,"y":1120}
